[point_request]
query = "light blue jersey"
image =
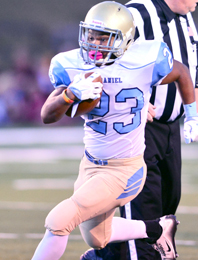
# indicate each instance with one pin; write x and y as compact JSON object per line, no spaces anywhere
{"x":115,"y":128}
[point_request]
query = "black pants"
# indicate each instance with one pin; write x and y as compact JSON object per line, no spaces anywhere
{"x":162,"y":191}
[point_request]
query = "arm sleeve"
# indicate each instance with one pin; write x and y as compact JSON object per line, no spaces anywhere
{"x":163,"y":65}
{"x":58,"y":75}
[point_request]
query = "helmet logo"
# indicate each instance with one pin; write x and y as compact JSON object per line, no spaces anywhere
{"x":98,"y":23}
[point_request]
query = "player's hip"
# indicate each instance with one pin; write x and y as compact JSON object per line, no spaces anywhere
{"x":124,"y":178}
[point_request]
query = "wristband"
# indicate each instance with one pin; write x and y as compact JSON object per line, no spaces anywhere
{"x":190,"y":109}
{"x":65,"y":97}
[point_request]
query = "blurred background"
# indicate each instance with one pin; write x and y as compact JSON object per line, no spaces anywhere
{"x":39,"y":163}
{"x":32,"y":32}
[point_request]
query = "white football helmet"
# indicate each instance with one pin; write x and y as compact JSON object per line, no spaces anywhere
{"x":112,"y":19}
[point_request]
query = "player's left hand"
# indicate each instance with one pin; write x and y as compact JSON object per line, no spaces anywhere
{"x":191,"y":129}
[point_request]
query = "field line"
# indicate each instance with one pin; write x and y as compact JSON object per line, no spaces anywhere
{"x":43,"y":184}
{"x":77,"y":237}
{"x":187,"y":210}
{"x":22,"y":205}
{"x":186,"y":243}
{"x":32,"y":236}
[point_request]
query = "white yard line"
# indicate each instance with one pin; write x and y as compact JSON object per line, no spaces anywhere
{"x":43,"y":184}
{"x":41,"y":155}
{"x":186,"y":243}
{"x":69,"y":137}
{"x":41,"y":135}
{"x":187,"y":210}
{"x":32,"y":236}
{"x":39,"y":236}
{"x":21,"y":205}
{"x":65,"y":151}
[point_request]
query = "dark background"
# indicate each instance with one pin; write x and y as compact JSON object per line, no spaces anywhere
{"x":39,"y":26}
{"x":32,"y":32}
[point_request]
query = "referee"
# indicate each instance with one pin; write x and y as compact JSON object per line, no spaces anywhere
{"x":169,"y":21}
{"x":158,"y":19}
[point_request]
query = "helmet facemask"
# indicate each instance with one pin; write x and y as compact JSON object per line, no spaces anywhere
{"x":100,"y":54}
{"x":112,"y":20}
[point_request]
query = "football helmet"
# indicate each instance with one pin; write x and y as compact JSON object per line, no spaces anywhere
{"x":108,"y":18}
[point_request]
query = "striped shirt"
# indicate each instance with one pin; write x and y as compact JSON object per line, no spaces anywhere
{"x":155,"y":20}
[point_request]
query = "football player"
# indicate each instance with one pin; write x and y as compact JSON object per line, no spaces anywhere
{"x":112,"y":171}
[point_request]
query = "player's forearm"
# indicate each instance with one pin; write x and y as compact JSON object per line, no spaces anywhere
{"x":185,"y":85}
{"x":181,"y":75}
{"x":55,"y":107}
{"x":53,"y":112}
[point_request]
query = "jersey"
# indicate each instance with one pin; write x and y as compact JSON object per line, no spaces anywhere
{"x":155,"y":20}
{"x":115,"y":127}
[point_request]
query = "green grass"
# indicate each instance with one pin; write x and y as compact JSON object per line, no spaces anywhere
{"x":22,"y":221}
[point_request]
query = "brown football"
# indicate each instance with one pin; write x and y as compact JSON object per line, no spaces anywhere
{"x":86,"y":106}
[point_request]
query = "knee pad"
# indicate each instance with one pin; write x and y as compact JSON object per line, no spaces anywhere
{"x":95,"y":243}
{"x":63,"y":218}
{"x":95,"y":238}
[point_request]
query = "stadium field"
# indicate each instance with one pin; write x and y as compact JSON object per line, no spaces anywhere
{"x":38,"y":168}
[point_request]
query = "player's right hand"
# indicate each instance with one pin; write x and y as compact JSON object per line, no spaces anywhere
{"x":151,"y":112}
{"x":84,"y":88}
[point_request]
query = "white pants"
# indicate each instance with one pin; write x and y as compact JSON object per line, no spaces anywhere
{"x":98,"y":191}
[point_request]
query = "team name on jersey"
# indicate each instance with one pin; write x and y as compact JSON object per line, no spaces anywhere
{"x":112,"y":80}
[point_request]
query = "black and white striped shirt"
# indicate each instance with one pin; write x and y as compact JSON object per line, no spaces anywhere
{"x":155,"y":20}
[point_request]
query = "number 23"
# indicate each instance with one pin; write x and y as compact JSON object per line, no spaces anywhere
{"x":103,"y":109}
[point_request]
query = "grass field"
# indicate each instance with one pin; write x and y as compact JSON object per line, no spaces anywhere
{"x":38,"y":169}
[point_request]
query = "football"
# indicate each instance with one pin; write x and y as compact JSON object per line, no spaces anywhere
{"x":86,"y":106}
